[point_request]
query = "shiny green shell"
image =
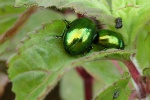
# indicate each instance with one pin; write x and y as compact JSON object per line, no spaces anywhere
{"x":78,"y":36}
{"x":109,"y":39}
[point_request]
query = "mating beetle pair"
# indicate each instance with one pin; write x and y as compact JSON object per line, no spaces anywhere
{"x":81,"y":33}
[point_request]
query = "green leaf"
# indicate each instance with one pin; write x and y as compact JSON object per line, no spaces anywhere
{"x":140,"y":21}
{"x":142,"y":2}
{"x":143,"y":49}
{"x":100,"y":70}
{"x":147,"y":48}
{"x":72,"y":86}
{"x":146,"y":72}
{"x":41,"y":61}
{"x":4,"y":46}
{"x":98,"y":8}
{"x":105,"y":73}
{"x":116,"y":91}
{"x":8,"y":14}
{"x":35,"y":70}
{"x":106,"y":11}
{"x":36,"y":20}
{"x":133,"y":22}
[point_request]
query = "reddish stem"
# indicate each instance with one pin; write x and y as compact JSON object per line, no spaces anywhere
{"x":118,"y":66}
{"x":20,"y":22}
{"x":136,"y":77}
{"x":133,"y":95}
{"x":88,"y":82}
{"x":121,"y":71}
{"x":133,"y":70}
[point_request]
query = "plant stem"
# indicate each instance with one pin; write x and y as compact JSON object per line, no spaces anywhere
{"x":117,"y":66}
{"x":88,"y":82}
{"x":20,"y":22}
{"x":136,"y":77}
{"x":133,"y":70}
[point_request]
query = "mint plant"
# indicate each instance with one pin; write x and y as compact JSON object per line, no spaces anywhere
{"x":40,"y":61}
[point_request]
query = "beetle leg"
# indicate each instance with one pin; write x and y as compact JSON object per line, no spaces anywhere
{"x":57,"y":36}
{"x":95,"y":38}
{"x":104,"y":47}
{"x":67,"y":26}
{"x":89,"y":49}
{"x":67,"y":23}
{"x":61,"y":36}
{"x":83,"y":54}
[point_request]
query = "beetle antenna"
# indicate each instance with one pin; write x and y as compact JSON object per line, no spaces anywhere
{"x":67,"y":22}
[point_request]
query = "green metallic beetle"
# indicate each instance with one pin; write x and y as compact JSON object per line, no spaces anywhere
{"x":109,"y":39}
{"x":78,"y":36}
